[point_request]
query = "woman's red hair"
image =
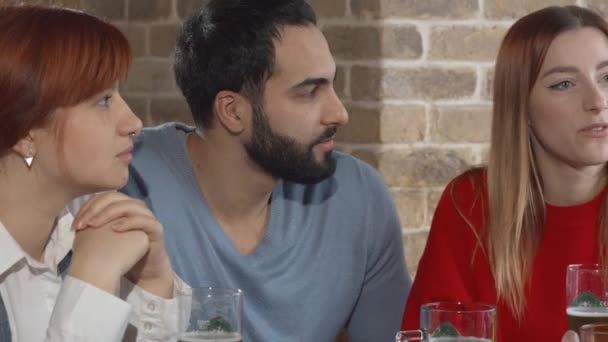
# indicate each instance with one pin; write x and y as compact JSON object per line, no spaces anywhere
{"x":52,"y":58}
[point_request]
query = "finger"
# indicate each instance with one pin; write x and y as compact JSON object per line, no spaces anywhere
{"x":94,"y":205}
{"x":83,"y":209}
{"x":148,"y":225}
{"x":107,"y":211}
{"x":570,"y":336}
{"x":124,"y":208}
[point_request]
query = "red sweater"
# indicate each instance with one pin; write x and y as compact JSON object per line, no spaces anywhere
{"x":450,"y":271}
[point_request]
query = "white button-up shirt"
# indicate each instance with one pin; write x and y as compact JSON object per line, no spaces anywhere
{"x":43,"y":306}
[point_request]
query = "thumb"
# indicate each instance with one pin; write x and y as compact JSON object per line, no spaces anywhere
{"x":570,"y":336}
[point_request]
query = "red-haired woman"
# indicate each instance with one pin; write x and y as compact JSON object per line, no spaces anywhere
{"x":504,"y":234}
{"x":66,"y":132}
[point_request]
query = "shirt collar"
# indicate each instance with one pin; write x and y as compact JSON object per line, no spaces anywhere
{"x":11,"y":251}
{"x":59,"y":245}
{"x":61,"y":240}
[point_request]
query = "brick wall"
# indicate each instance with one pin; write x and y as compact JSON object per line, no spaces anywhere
{"x":414,"y":74}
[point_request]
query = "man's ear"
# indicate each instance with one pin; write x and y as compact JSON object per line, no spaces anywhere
{"x":233,"y":111}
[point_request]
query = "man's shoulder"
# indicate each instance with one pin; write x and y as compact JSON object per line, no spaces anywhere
{"x":348,"y":165}
{"x":159,"y":160}
{"x":158,"y":140}
{"x":356,"y":171}
{"x":161,"y":132}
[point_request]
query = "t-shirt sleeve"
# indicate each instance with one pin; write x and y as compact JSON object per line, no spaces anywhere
{"x":377,"y":314}
{"x":445,"y":271}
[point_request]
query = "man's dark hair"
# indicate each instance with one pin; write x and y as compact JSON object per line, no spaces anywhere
{"x":229,"y":45}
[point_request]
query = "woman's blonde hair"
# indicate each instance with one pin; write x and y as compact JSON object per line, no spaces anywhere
{"x":516,"y":210}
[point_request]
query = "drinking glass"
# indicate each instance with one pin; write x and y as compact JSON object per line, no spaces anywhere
{"x":453,"y":322}
{"x":594,"y":333}
{"x":586,"y":295}
{"x":214,"y":315}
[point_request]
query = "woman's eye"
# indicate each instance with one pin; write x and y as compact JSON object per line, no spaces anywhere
{"x":563,"y":85}
{"x":105,"y":101}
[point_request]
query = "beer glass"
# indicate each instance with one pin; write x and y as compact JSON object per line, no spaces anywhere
{"x":594,"y":333}
{"x":586,"y":295}
{"x":453,"y":322}
{"x":214,"y":315}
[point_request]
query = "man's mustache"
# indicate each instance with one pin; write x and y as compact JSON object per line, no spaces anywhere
{"x":328,"y":133}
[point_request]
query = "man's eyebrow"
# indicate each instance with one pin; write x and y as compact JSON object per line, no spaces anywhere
{"x":311,"y":82}
{"x":314,"y":81}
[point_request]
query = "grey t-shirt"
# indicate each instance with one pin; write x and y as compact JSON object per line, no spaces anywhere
{"x":332,"y":255}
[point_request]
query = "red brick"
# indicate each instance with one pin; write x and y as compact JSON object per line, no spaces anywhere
{"x":150,"y":76}
{"x":186,"y":8}
{"x":165,"y":109}
{"x":416,"y":9}
{"x":162,"y":39}
{"x":136,"y":34}
{"x":110,"y":9}
{"x":512,"y":9}
{"x":329,"y":8}
{"x":149,"y":9}
{"x":373,"y":83}
{"x":373,"y":42}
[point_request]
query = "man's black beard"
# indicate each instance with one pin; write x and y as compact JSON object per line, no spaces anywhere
{"x":285,"y":158}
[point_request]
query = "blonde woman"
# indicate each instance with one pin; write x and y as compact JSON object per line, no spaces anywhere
{"x":505,"y":233}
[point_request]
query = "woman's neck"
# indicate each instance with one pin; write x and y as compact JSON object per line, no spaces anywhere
{"x":568,"y":186}
{"x":29,"y":206}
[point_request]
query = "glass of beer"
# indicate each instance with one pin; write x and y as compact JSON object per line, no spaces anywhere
{"x":453,"y":322}
{"x":213,"y":315}
{"x":594,"y":333}
{"x":586,"y":295}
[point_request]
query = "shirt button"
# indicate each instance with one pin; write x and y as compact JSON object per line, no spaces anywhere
{"x":148,"y":326}
{"x":151,"y":306}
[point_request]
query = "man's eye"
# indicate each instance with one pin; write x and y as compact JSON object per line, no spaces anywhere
{"x":313,"y":92}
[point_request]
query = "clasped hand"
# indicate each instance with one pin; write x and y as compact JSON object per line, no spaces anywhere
{"x":119,"y":236}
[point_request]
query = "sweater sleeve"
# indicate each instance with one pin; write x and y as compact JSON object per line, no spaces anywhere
{"x":379,"y":309}
{"x":445,"y":271}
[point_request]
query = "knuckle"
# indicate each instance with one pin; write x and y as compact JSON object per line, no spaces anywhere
{"x":140,"y":237}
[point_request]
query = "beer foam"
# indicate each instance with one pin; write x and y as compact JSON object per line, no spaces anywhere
{"x":587,"y":312}
{"x":203,"y":336}
{"x":459,"y":339}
